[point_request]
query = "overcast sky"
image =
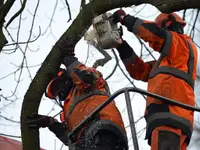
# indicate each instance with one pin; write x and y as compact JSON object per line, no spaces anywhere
{"x":37,"y":52}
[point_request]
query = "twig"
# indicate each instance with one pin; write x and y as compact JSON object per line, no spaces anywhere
{"x":194,"y":24}
{"x":17,"y":13}
{"x":13,"y":136}
{"x":52,"y":17}
{"x":101,"y":62}
{"x":8,"y":119}
{"x":31,"y":41}
{"x":69,"y":11}
{"x":115,"y":67}
{"x":5,"y":9}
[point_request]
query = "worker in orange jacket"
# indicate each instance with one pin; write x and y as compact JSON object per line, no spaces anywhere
{"x":83,"y":89}
{"x":172,"y":75}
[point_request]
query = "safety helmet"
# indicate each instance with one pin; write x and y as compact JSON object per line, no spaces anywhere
{"x":60,"y":86}
{"x":167,"y":19}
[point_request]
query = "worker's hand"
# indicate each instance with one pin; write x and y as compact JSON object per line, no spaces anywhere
{"x":37,"y":121}
{"x":85,"y":75}
{"x":119,"y":15}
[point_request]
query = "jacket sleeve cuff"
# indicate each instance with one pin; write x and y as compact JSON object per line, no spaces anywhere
{"x":129,"y":22}
{"x":71,"y":63}
{"x":126,"y":53}
{"x":124,"y":50}
{"x":71,"y":68}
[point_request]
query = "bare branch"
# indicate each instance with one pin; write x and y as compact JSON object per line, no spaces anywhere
{"x":17,"y":13}
{"x":82,"y":4}
{"x":194,"y":24}
{"x":115,"y":67}
{"x":168,"y":6}
{"x":13,"y":136}
{"x":30,"y":41}
{"x":8,"y":119}
{"x":69,"y":11}
{"x":5,"y":9}
{"x":101,"y":62}
{"x":52,"y":17}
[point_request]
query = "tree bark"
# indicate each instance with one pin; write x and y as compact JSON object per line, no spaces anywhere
{"x":168,"y":6}
{"x":73,"y":34}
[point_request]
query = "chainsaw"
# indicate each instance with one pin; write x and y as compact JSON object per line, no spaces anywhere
{"x":107,"y":33}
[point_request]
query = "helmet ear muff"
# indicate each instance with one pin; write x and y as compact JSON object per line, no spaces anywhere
{"x":64,"y":90}
{"x":171,"y":17}
{"x":175,"y":26}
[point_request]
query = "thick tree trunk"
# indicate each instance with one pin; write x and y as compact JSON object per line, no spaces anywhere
{"x":30,"y":137}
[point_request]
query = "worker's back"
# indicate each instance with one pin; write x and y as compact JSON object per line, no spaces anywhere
{"x":177,"y":85}
{"x":194,"y":143}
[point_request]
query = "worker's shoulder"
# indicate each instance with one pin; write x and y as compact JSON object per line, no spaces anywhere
{"x":179,"y":39}
{"x":179,"y":35}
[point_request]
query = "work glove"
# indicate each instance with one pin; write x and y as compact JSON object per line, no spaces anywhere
{"x":118,"y":16}
{"x":38,"y":121}
{"x":66,"y":48}
{"x":85,"y":75}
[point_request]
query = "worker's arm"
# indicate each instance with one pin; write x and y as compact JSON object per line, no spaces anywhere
{"x":85,"y":78}
{"x":148,"y":31}
{"x":137,"y":68}
{"x":59,"y":129}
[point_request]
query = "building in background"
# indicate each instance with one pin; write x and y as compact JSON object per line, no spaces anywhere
{"x":10,"y":144}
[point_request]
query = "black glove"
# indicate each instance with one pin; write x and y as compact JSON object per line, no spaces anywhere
{"x":118,"y":16}
{"x":85,"y":76}
{"x":66,"y":47}
{"x":37,"y":121}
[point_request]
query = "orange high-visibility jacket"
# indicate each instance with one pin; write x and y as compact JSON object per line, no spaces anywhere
{"x":86,"y":95}
{"x":171,"y":76}
{"x":82,"y":109}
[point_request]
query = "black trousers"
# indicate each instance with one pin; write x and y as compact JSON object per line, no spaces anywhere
{"x":103,"y":140}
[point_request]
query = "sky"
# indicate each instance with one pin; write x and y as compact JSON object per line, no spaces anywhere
{"x":51,"y":30}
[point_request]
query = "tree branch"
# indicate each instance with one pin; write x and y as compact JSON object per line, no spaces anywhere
{"x":69,"y":11}
{"x":1,"y":3}
{"x":115,"y":67}
{"x":168,"y":6}
{"x":101,"y":62}
{"x":16,"y":14}
{"x":82,"y":4}
{"x":5,"y":9}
